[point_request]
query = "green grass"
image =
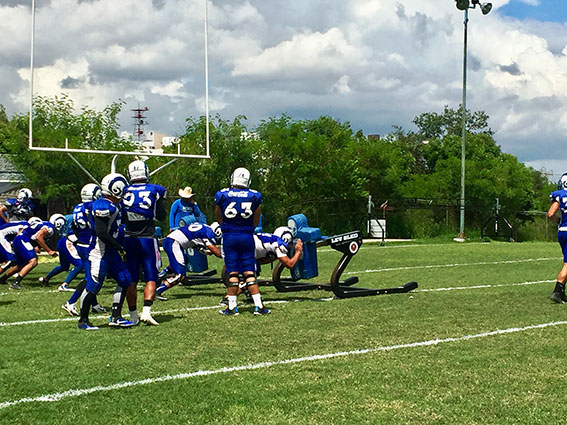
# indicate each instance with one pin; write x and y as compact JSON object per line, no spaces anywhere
{"x":498,"y":379}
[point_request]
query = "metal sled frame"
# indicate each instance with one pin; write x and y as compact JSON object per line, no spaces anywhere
{"x":349,"y":244}
{"x":203,"y":278}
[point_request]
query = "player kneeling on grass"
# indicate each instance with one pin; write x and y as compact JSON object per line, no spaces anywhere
{"x":25,"y":244}
{"x":104,"y":253}
{"x":559,"y":203}
{"x":195,"y":236}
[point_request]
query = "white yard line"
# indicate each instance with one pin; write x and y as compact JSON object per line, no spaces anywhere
{"x":439,"y":266}
{"x":53,"y":397}
{"x":188,"y":309}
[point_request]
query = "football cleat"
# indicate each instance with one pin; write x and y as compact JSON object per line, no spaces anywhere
{"x":65,"y":288}
{"x":261,"y":311}
{"x":228,"y":312}
{"x":98,"y":309}
{"x":148,"y":319}
{"x":87,"y":326}
{"x":160,"y":297}
{"x":557,"y":298}
{"x":15,"y":285}
{"x":70,"y":308}
{"x":119,"y":322}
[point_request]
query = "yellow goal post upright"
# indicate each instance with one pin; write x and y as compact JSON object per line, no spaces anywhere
{"x":69,"y":151}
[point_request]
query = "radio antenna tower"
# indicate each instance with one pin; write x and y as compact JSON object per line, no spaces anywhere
{"x":139,"y":122}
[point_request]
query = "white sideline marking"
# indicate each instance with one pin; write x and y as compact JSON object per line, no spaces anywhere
{"x":432,"y":342}
{"x":179,"y":310}
{"x":438,"y":266}
{"x":496,"y":285}
{"x":376,"y":245}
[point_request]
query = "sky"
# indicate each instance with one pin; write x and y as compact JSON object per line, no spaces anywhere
{"x":373,"y":63}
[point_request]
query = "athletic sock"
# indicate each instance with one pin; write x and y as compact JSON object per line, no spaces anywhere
{"x":162,"y":288}
{"x":117,"y":301}
{"x":231,"y":302}
{"x":18,"y":278}
{"x":148,"y":303}
{"x":559,"y":287}
{"x":78,"y":292}
{"x":257,"y":300}
{"x":86,"y":300}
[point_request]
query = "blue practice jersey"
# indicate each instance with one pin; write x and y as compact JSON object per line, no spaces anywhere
{"x":139,"y":208}
{"x":30,"y":233}
{"x":104,"y":208}
{"x":561,"y":197}
{"x":182,"y":208}
{"x":195,"y":234}
{"x":268,"y":245}
{"x":18,"y":210}
{"x":9,"y":231}
{"x":83,"y":223}
{"x":238,"y":206}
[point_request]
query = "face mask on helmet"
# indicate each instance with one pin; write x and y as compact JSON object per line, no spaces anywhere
{"x":138,"y":171}
{"x":284,"y":233}
{"x":113,"y":185}
{"x":90,"y":192}
{"x":58,"y":221}
{"x":240,"y":178}
{"x":215,"y":226}
{"x":24,"y":194}
{"x":562,"y":183}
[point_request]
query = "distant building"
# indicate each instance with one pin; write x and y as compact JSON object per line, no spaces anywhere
{"x":10,"y":178}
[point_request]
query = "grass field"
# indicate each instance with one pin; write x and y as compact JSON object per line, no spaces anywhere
{"x":479,"y":342}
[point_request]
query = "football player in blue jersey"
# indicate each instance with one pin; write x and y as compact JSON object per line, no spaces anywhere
{"x":8,"y":232}
{"x":238,"y":211}
{"x":271,"y":247}
{"x":559,"y":204}
{"x":104,"y":253}
{"x":25,"y":244}
{"x":18,"y":209}
{"x":83,"y":229}
{"x":68,"y":255}
{"x":193,"y":236}
{"x":184,"y":207}
{"x":141,"y":206}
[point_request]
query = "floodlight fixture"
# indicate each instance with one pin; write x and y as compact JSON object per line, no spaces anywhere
{"x":485,"y":8}
{"x":463,"y":4}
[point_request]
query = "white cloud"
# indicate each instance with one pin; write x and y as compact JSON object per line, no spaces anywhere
{"x":375,"y":63}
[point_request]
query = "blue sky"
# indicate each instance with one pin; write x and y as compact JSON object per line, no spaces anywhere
{"x":373,"y":63}
{"x":540,"y":10}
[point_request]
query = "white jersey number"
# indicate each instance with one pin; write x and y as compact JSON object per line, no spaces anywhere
{"x":245,"y":210}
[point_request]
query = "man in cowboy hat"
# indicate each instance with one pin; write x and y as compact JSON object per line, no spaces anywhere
{"x":183,"y":207}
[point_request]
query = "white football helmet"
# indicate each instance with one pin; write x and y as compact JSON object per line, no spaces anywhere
{"x":113,"y":185}
{"x":240,"y":178}
{"x":34,"y":220}
{"x":284,"y":233}
{"x":215,"y":226}
{"x":90,"y":192}
{"x":563,"y":181}
{"x":138,"y":171}
{"x":24,"y":194}
{"x":58,"y":221}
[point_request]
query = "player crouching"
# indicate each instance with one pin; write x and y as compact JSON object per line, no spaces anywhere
{"x":195,"y":236}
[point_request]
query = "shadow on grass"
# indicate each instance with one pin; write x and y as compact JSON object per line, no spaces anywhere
{"x":7,"y":302}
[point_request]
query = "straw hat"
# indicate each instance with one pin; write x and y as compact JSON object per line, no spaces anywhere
{"x":186,"y":193}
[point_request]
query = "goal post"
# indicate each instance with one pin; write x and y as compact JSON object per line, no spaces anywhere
{"x":68,"y":150}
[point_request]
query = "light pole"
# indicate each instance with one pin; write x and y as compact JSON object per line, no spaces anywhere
{"x":485,"y":8}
